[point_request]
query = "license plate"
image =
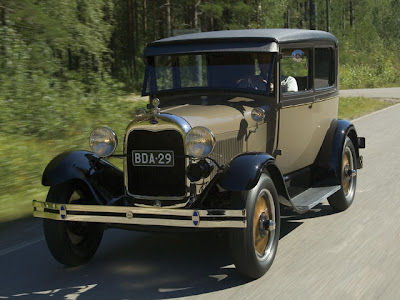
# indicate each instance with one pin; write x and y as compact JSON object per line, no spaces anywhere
{"x":149,"y":158}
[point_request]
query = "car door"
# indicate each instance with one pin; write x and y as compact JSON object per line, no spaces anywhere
{"x":306,"y":112}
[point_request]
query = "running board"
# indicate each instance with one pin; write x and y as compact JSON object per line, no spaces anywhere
{"x":312,"y":197}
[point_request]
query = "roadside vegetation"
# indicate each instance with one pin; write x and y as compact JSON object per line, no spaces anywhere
{"x":68,"y":66}
{"x":354,"y":107}
{"x":24,"y":158}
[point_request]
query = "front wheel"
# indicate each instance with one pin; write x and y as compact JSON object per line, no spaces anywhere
{"x":254,"y":248}
{"x":71,"y":243}
{"x":343,"y":198}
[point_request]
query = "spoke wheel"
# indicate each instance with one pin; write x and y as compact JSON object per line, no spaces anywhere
{"x":254,"y":248}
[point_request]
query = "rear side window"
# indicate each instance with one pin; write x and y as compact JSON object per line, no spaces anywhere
{"x":295,"y":75}
{"x":324,"y":68}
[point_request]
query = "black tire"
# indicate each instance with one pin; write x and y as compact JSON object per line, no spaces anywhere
{"x":254,"y":248}
{"x":343,"y":198}
{"x":71,"y":243}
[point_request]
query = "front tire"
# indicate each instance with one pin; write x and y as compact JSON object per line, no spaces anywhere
{"x":254,"y":248}
{"x":343,"y":198}
{"x":71,"y":243}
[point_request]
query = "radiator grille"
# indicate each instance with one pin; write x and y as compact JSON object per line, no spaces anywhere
{"x":226,"y":149}
{"x":156,"y":181}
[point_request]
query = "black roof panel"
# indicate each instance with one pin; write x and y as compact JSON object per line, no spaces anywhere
{"x":283,"y":35}
{"x":249,"y":40}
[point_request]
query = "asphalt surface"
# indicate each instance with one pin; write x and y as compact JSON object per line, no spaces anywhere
{"x":348,"y":255}
{"x":380,"y":93}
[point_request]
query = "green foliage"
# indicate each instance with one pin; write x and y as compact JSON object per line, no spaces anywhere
{"x":368,"y":55}
{"x":273,"y":13}
{"x":238,"y":14}
{"x":355,"y":76}
{"x":212,"y":10}
{"x":50,"y":78}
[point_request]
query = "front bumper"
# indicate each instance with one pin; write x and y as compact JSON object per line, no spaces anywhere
{"x":210,"y":218}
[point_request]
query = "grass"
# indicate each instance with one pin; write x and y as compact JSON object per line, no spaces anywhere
{"x":354,"y":107}
{"x":23,"y":159}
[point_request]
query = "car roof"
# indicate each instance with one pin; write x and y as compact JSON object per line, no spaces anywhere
{"x":236,"y":40}
{"x":281,"y":35}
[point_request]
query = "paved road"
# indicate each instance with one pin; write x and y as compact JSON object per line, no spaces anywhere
{"x":380,"y":93}
{"x":350,"y":255}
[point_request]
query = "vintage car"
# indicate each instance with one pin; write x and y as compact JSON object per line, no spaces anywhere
{"x":240,"y":124}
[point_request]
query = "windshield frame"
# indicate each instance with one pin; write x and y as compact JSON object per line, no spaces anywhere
{"x":151,"y":84}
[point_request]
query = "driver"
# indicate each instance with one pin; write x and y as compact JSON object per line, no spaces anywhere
{"x":259,"y":82}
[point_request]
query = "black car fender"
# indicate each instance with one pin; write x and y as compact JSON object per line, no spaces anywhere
{"x":244,"y":171}
{"x":104,"y":180}
{"x":330,"y":156}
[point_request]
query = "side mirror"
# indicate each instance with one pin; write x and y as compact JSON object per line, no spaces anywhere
{"x":258,"y":114}
{"x":297,"y":55}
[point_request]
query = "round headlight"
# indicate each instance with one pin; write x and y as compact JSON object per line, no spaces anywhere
{"x":200,"y":142}
{"x":103,"y":141}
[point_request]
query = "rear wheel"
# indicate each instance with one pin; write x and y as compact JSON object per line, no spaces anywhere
{"x":71,"y":243}
{"x":343,"y":198}
{"x":254,"y":248}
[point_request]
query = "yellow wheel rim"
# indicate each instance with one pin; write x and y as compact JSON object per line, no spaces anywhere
{"x":345,"y":166}
{"x":348,"y":173}
{"x":264,"y":208}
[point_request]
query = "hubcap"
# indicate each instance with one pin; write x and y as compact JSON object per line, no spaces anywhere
{"x":264,"y":223}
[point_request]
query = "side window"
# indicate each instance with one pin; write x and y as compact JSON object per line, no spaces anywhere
{"x":294,"y":70}
{"x":324,"y":68}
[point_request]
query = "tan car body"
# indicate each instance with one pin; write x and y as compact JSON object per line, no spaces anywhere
{"x":225,"y":122}
{"x":302,"y":129}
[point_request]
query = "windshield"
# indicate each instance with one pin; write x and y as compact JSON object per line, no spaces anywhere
{"x":243,"y":71}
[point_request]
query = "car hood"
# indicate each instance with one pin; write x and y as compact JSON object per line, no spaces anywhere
{"x":218,"y":118}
